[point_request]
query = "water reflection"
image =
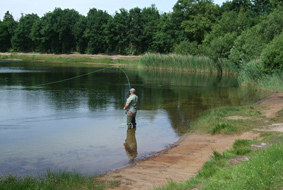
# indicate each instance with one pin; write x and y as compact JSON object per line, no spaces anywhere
{"x":74,"y":123}
{"x":131,"y":145}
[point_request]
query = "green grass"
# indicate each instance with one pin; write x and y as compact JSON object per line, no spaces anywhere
{"x":186,"y":63}
{"x":57,"y":59}
{"x":263,"y":171}
{"x":250,"y":75}
{"x":55,"y":181}
{"x":224,"y":128}
{"x":279,"y":113}
{"x":216,"y":121}
{"x":60,"y":59}
{"x":124,"y":61}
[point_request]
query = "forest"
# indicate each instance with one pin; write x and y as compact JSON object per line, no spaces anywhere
{"x":238,"y":30}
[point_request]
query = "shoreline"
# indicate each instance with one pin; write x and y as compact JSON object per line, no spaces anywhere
{"x":183,"y":159}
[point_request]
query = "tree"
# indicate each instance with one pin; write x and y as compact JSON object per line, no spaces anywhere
{"x":272,"y":55}
{"x":150,"y":20}
{"x":199,"y":17}
{"x":7,"y":29}
{"x":79,"y":34}
{"x":136,"y":30}
{"x":22,"y":40}
{"x":96,"y":23}
{"x":251,"y":42}
{"x":54,"y":32}
{"x":117,"y":32}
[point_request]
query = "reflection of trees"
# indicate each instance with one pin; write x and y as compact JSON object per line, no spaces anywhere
{"x":184,"y":96}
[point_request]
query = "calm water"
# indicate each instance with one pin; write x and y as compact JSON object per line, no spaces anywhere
{"x":80,"y":124}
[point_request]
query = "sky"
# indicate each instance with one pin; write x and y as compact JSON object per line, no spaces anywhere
{"x":40,"y":7}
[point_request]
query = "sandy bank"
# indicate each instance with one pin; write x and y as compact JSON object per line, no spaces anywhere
{"x":182,"y":160}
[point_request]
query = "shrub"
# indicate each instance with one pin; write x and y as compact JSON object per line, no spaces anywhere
{"x":187,"y":48}
{"x":272,"y":55}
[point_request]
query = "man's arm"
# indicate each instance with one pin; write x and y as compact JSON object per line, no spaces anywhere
{"x":127,"y":105}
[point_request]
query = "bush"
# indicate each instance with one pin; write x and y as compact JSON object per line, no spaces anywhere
{"x":272,"y":55}
{"x":250,"y":44}
{"x":187,"y":48}
{"x":220,"y":47}
{"x":247,"y":46}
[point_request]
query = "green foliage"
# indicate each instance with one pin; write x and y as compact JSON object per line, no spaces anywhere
{"x":178,"y":62}
{"x":22,"y":40}
{"x":279,"y":113}
{"x":220,"y":46}
{"x":247,"y":46}
{"x":251,"y":74}
{"x":223,"y":127}
{"x":199,"y":17}
{"x":78,"y":31}
{"x":263,"y":171}
{"x":238,"y":30}
{"x":241,"y":147}
{"x":250,"y":44}
{"x":53,"y":33}
{"x":7,"y":29}
{"x":187,"y":48}
{"x":272,"y":55}
{"x":55,"y":180}
{"x":95,"y":25}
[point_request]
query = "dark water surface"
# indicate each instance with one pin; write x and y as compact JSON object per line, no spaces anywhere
{"x":80,"y":124}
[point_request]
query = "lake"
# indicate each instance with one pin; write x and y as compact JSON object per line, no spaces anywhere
{"x":80,"y":124}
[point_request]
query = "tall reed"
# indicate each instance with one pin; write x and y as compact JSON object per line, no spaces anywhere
{"x":251,"y":75}
{"x":186,"y":63}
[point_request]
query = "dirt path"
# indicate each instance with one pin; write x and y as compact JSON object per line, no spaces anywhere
{"x":182,"y":160}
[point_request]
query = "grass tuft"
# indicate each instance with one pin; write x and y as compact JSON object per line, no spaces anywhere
{"x":226,"y":128}
{"x":55,"y":180}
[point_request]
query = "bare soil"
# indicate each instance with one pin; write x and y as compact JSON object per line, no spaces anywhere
{"x":183,"y":160}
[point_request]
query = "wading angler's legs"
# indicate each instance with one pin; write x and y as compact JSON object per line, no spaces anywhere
{"x":131,"y":119}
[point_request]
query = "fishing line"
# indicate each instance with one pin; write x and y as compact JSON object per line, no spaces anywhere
{"x":78,"y":76}
{"x":126,"y":76}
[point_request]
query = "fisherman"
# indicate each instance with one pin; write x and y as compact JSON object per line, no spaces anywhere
{"x":131,"y":108}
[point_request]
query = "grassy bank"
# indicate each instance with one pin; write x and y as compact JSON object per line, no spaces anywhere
{"x":55,"y":59}
{"x":264,"y":170}
{"x":251,"y":75}
{"x":71,"y":58}
{"x":55,"y":180}
{"x":185,"y":63}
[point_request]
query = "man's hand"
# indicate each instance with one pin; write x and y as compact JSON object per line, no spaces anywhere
{"x":127,"y":105}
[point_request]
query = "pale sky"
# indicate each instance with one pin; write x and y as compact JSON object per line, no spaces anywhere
{"x":40,"y":7}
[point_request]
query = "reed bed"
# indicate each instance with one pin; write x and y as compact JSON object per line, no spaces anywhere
{"x":186,"y":63}
{"x":251,"y":75}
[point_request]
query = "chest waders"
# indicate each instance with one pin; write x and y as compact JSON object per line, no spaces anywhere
{"x":131,"y":119}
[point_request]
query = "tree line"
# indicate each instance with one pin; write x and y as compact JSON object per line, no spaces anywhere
{"x":240,"y":30}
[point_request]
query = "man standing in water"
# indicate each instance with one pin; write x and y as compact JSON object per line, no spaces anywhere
{"x":131,"y":107}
